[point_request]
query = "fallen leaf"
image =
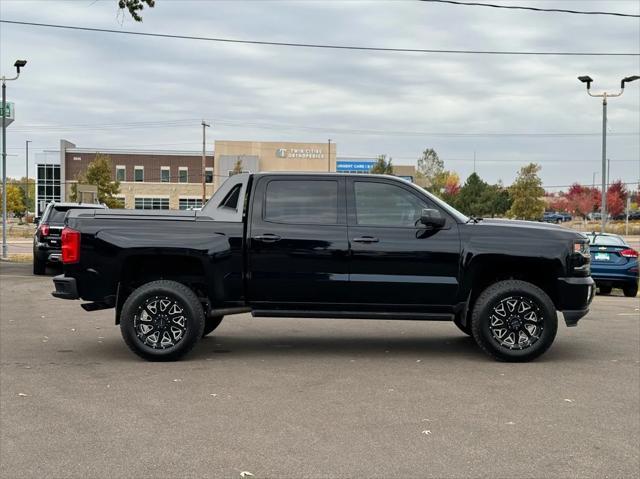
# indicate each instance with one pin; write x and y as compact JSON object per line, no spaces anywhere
{"x":511,"y":423}
{"x":177,"y":380}
{"x":22,"y":395}
{"x":569,"y":400}
{"x":214,"y":395}
{"x":418,"y":360}
{"x":245,"y":474}
{"x":426,"y":432}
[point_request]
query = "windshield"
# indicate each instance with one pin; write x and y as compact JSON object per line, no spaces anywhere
{"x":462,"y":218}
{"x":600,"y":240}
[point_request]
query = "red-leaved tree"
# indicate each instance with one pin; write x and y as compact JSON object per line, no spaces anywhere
{"x":582,"y":200}
{"x":616,"y":198}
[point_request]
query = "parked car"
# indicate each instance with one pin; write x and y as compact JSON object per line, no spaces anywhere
{"x":551,"y":217}
{"x":633,"y":216}
{"x":555,"y":217}
{"x":324,"y":245}
{"x":46,"y":240}
{"x":614,"y":264}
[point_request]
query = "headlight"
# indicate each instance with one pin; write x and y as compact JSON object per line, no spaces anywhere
{"x":581,"y":257}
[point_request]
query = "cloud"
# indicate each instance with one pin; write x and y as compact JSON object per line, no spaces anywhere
{"x":91,"y":78}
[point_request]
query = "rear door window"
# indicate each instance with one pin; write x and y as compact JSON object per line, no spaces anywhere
{"x":301,"y":201}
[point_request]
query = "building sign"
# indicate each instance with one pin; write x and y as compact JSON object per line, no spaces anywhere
{"x":300,"y":153}
{"x":354,"y":165}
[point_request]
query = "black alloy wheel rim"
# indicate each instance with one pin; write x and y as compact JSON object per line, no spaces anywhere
{"x":160,"y":322}
{"x":516,"y":323}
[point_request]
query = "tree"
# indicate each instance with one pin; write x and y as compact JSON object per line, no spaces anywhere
{"x":526,"y":193}
{"x":616,"y":198}
{"x":237,"y":168}
{"x":15,"y":203}
{"x":472,"y":198}
{"x":382,"y":166}
{"x":26,"y":186}
{"x":99,"y":173}
{"x":499,"y":199}
{"x":430,"y":167}
{"x":135,"y":7}
{"x":582,"y":200}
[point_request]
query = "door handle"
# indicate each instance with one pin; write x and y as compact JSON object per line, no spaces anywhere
{"x":365,"y":239}
{"x":267,"y":238}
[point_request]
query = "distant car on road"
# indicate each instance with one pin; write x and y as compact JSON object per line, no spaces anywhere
{"x":46,"y":240}
{"x":551,"y":217}
{"x":613,"y":263}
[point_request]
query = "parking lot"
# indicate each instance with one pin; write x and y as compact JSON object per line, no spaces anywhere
{"x":311,"y":398}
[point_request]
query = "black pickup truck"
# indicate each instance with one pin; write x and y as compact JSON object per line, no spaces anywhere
{"x":324,"y":245}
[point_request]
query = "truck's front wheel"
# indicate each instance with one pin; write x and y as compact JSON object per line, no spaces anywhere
{"x":514,"y":321}
{"x":162,"y":321}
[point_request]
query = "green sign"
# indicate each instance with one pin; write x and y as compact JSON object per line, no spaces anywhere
{"x":9,"y":113}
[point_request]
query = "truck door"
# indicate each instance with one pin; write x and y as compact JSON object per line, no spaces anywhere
{"x":297,"y":242}
{"x":395,"y":261}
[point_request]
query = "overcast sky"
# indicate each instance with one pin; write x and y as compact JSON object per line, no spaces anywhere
{"x":369,"y":103}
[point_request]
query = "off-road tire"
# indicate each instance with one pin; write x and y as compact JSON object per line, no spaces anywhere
{"x":495,"y":296}
{"x":630,"y":290}
{"x":211,"y":323}
{"x":180,"y":295}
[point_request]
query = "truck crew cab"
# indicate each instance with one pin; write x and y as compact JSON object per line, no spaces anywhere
{"x":324,"y":245}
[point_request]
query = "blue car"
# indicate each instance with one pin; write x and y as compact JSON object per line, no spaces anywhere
{"x":613,"y":263}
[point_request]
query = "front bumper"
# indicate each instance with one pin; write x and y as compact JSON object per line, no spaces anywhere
{"x":66,"y":288}
{"x":574,"y":297}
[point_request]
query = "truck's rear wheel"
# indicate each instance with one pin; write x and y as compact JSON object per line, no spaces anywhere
{"x":514,"y":321}
{"x":630,"y":290}
{"x":162,"y":321}
{"x":211,"y":323}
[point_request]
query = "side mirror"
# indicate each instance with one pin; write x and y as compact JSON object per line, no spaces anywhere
{"x":432,"y":218}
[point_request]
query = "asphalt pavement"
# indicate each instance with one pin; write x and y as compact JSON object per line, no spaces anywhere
{"x":292,"y":398}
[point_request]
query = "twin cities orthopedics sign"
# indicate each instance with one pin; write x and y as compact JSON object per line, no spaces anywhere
{"x":301,"y":153}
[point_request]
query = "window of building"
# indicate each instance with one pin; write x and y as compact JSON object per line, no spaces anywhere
{"x":121,"y":173}
{"x":183,"y":174}
{"x":296,"y":201}
{"x":381,"y":204}
{"x":165,"y":174}
{"x":119,"y":201}
{"x":208,"y":175}
{"x":151,"y":203}
{"x":47,"y":186}
{"x":138,"y":173}
{"x":189,"y":203}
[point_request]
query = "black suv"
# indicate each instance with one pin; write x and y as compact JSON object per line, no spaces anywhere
{"x":46,"y":240}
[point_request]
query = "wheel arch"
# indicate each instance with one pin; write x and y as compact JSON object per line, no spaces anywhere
{"x":485,"y":270}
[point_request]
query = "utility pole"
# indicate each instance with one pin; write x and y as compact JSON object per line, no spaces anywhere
{"x":204,"y":161}
{"x":608,"y":173}
{"x":26,"y":176}
{"x":474,"y":161}
{"x":604,"y":95}
{"x":329,"y":155}
{"x":18,"y":64}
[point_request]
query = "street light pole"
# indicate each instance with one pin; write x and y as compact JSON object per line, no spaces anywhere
{"x":204,"y":162}
{"x":329,"y":155}
{"x":26,"y":176}
{"x":604,"y":95}
{"x":18,"y":64}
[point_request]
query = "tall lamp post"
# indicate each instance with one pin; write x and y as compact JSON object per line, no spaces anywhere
{"x":18,"y":64}
{"x":604,"y":95}
{"x":26,"y":176}
{"x":204,"y":161}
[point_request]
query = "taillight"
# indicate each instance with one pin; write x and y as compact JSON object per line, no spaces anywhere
{"x":44,"y":230}
{"x":70,"y":245}
{"x":629,"y":253}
